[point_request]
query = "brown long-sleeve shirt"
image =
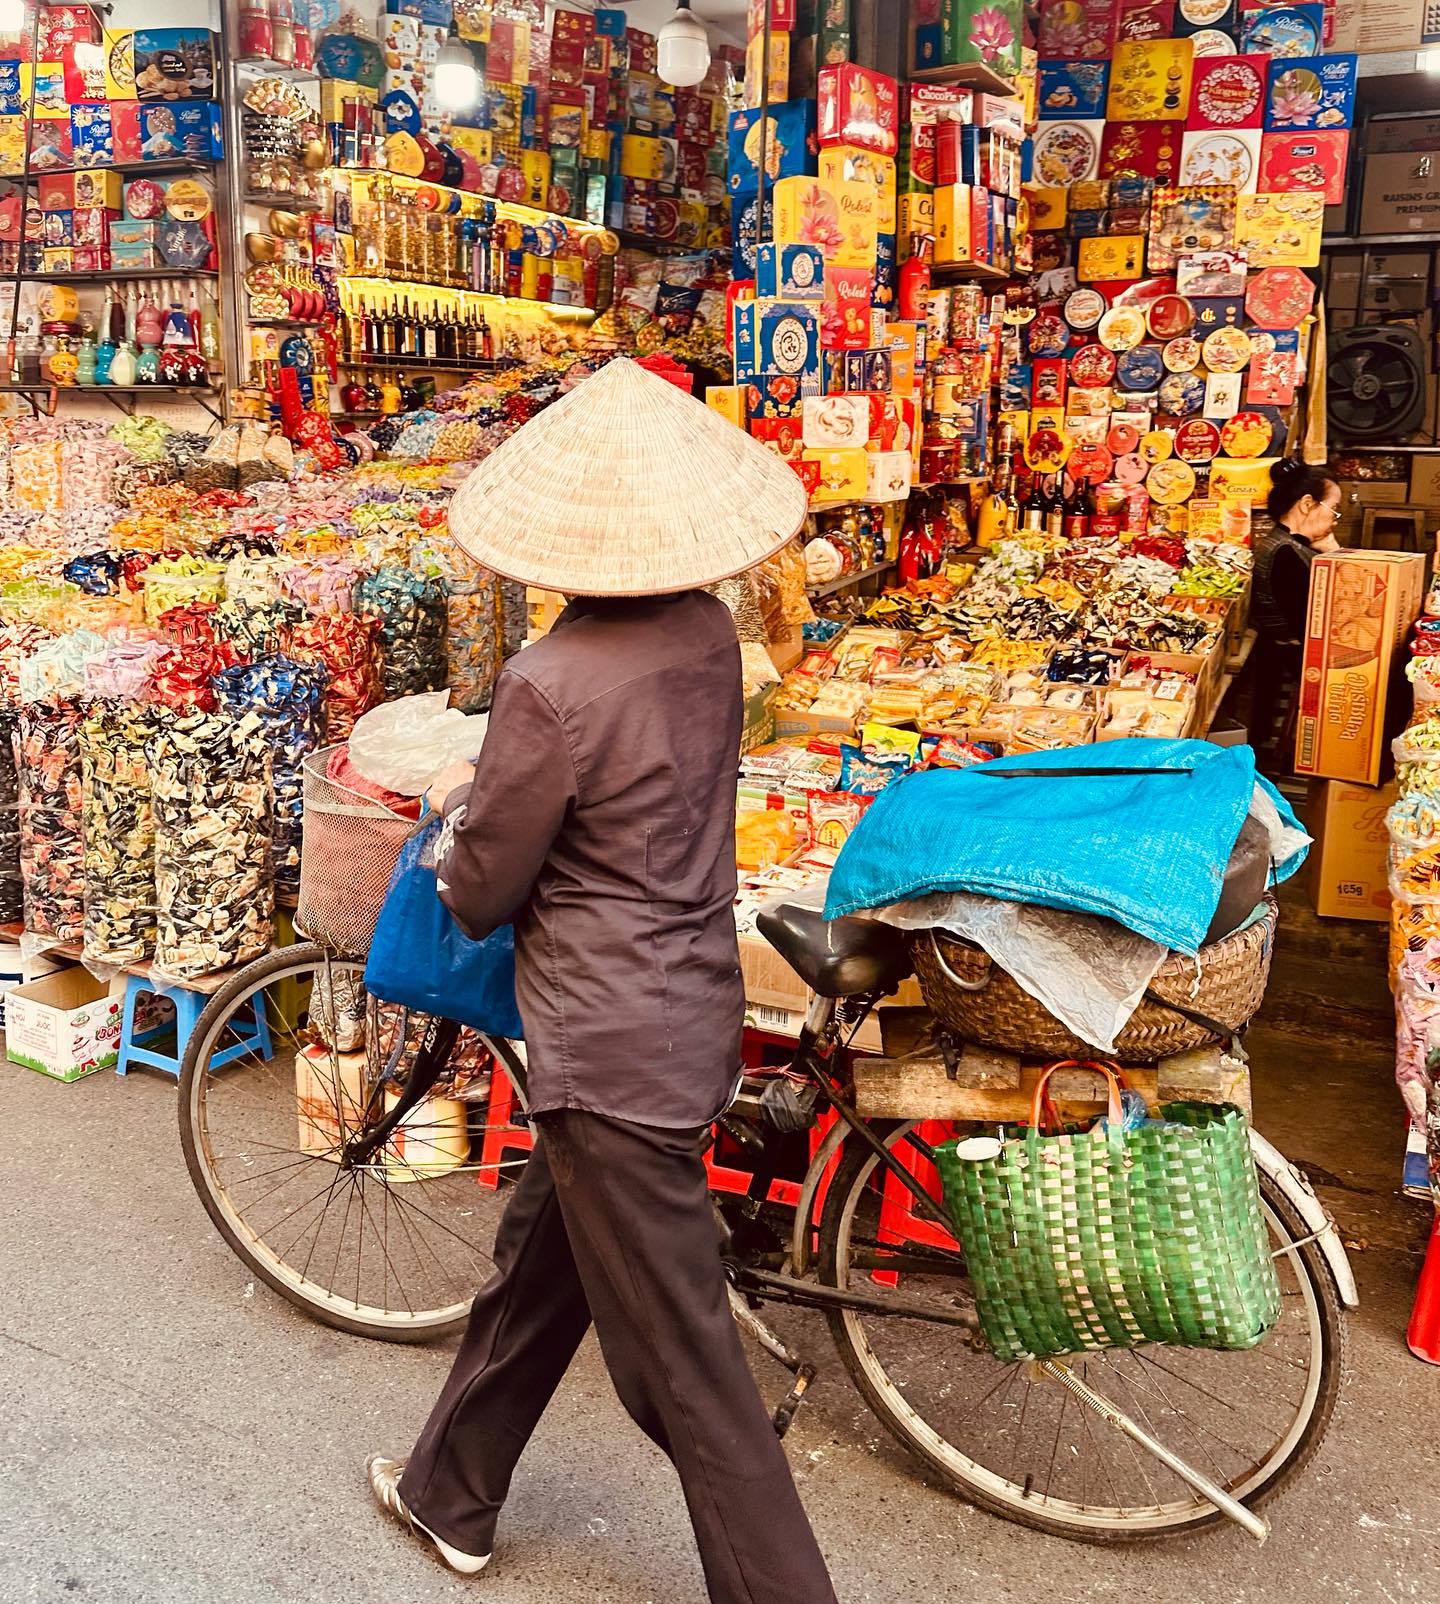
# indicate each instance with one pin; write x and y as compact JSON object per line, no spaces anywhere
{"x":601,"y":822}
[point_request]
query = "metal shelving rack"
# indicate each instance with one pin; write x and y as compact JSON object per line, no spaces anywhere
{"x":212,"y":396}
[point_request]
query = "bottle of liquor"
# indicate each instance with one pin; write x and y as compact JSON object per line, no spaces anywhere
{"x":387,"y":330}
{"x":1054,"y":508}
{"x":1079,"y":508}
{"x":1035,"y":505}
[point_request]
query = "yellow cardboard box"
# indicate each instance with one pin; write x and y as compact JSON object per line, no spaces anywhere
{"x":1362,"y":604}
{"x":811,"y":212}
{"x":1348,"y":865}
{"x":847,"y":168}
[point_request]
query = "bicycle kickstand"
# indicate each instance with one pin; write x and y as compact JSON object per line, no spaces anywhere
{"x":803,"y":1372}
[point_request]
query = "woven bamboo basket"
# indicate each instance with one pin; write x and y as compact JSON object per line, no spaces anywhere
{"x":1226,"y":982}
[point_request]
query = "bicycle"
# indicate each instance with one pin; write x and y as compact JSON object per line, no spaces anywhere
{"x":399,"y":1133}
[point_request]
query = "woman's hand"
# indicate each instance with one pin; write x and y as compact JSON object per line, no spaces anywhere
{"x":449,"y":779}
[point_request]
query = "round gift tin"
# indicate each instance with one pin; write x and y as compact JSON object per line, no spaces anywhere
{"x":1157,"y":446}
{"x":1171,"y":482}
{"x":1083,"y":309}
{"x":1092,"y":367}
{"x":1247,"y":434}
{"x":1048,"y":335}
{"x":1122,"y":328}
{"x":1226,"y":350}
{"x":1196,"y":440}
{"x":1169,"y":316}
{"x":1131,"y":469}
{"x":1181,"y":355}
{"x":1140,"y":369}
{"x":1181,"y":393}
{"x":1091,"y":462}
{"x":1122,"y":438}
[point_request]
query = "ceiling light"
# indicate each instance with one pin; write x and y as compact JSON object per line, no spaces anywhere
{"x":457,"y":83}
{"x":683,"y":49}
{"x":12,"y":15}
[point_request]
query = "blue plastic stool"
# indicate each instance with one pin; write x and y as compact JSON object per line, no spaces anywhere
{"x":188,"y":1004}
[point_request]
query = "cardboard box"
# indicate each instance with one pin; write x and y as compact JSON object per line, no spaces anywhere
{"x":1348,"y":865}
{"x":1401,"y":193}
{"x":65,"y":1025}
{"x":777,"y":1000}
{"x":1362,"y":604}
{"x":1396,"y":281}
{"x":1425,"y":480}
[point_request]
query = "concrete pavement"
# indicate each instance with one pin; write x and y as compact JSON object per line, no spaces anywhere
{"x":171,"y":1432}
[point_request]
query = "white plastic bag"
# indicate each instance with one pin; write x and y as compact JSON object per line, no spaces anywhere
{"x":404,"y":744}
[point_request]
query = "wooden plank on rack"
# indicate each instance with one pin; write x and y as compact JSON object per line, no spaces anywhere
{"x":919,"y":1088}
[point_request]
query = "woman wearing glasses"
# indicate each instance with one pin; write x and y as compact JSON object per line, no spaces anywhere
{"x":1298,"y":522}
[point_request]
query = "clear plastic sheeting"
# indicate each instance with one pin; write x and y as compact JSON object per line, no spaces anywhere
{"x":404,"y":744}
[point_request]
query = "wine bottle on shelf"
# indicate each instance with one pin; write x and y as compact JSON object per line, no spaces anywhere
{"x":1079,"y":509}
{"x":1054,"y":508}
{"x":1035,"y":505}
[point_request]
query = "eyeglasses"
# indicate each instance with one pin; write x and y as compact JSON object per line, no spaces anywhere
{"x":1325,"y":506}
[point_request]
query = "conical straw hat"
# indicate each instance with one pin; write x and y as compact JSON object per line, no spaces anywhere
{"x":627,"y":487}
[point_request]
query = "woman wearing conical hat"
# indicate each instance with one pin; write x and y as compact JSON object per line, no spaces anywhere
{"x":599,"y":819}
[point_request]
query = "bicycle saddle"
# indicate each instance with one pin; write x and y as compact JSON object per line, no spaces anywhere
{"x":837,"y":957}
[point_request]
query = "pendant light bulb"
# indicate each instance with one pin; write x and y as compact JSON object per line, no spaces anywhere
{"x":457,"y":84}
{"x":683,"y":49}
{"x":12,"y":16}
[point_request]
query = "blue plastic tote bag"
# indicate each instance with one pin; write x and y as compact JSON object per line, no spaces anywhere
{"x":422,"y":960}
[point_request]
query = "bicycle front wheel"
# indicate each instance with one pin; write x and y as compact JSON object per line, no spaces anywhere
{"x":1016,"y":1443}
{"x":291,"y":1062}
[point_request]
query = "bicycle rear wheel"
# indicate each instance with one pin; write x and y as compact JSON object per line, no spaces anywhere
{"x":291,"y":1061}
{"x":1015,"y":1442}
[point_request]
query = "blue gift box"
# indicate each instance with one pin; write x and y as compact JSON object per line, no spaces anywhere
{"x":776,"y":337}
{"x":1311,"y":93}
{"x":433,"y":13}
{"x":92,"y":135}
{"x":887,"y":271}
{"x":744,"y":233}
{"x":790,"y":272}
{"x":13,"y":101}
{"x":1071,"y":89}
{"x":188,"y":128}
{"x":791,"y":150}
{"x":610,"y":23}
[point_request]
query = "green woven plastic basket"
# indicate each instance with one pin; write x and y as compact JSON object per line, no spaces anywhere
{"x":1115,"y":1238}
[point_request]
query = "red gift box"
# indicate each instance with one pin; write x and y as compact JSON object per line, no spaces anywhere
{"x":572,"y":25}
{"x":1141,"y":150}
{"x":1145,"y":19}
{"x":783,"y":436}
{"x":1313,"y":162}
{"x":125,"y":135}
{"x":809,"y":473}
{"x":92,"y":258}
{"x":859,"y":107}
{"x":66,"y":26}
{"x":845,"y":311}
{"x":1227,"y":93}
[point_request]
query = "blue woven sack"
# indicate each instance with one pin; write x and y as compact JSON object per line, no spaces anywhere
{"x":422,"y":960}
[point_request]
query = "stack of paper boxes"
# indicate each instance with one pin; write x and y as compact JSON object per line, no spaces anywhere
{"x":146,"y":94}
{"x":824,"y":374}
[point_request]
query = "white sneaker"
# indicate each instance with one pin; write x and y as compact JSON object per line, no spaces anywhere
{"x":384,"y":1477}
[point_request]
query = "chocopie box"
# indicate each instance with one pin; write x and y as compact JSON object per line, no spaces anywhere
{"x":1312,"y":93}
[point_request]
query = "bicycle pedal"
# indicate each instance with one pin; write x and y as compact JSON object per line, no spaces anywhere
{"x":784,"y":1416}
